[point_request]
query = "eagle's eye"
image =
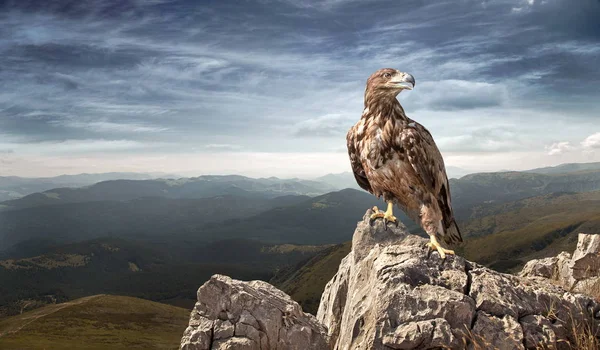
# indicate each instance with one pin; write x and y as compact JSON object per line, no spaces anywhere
{"x":387,"y":75}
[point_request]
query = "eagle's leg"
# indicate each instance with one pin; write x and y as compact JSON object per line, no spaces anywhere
{"x":435,"y":245}
{"x":387,"y":216}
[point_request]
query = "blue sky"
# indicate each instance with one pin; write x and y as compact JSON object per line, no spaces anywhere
{"x":271,"y":87}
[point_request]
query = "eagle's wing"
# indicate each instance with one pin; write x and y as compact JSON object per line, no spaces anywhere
{"x":428,"y":164}
{"x":357,"y":167}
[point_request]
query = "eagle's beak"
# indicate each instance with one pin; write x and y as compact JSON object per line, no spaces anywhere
{"x":404,"y":81}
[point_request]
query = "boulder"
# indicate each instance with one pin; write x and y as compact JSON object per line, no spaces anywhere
{"x":579,"y":272}
{"x":585,"y":262}
{"x":236,"y":315}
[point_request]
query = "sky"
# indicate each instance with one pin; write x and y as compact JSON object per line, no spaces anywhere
{"x":270,"y":87}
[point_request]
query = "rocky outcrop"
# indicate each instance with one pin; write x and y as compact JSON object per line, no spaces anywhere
{"x":236,"y":315}
{"x":391,"y":293}
{"x":579,"y":273}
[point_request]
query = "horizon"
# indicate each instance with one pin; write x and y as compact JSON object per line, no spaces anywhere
{"x":455,"y":170}
{"x":270,"y":87}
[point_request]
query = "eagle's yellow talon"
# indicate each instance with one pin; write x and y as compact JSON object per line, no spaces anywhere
{"x":434,"y":245}
{"x":388,"y":216}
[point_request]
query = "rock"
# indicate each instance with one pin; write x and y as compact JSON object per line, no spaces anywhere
{"x":501,"y":333}
{"x":390,"y":292}
{"x":236,"y":315}
{"x":585,"y":262}
{"x":538,"y":330}
{"x":411,"y":335}
{"x":546,"y":268}
{"x":579,"y":273}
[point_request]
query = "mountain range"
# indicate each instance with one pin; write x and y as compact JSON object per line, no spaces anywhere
{"x":12,"y":187}
{"x":140,"y":237}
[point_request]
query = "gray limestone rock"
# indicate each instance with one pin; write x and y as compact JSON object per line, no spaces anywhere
{"x":390,"y":292}
{"x":579,"y":273}
{"x":585,"y":262}
{"x":236,"y":315}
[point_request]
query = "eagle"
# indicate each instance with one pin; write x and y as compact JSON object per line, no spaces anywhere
{"x":395,"y":157}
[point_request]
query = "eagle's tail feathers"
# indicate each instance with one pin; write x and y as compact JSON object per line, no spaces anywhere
{"x":452,"y":233}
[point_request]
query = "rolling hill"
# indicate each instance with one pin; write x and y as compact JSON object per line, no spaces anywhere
{"x":13,"y":187}
{"x":306,"y":281}
{"x":189,"y":188}
{"x":505,"y":236}
{"x":96,"y":322}
{"x":148,"y":217}
{"x":489,"y":189}
{"x":327,"y":219}
{"x":168,"y":271}
{"x":566,"y":168}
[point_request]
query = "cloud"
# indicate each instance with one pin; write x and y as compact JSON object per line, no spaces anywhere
{"x":559,"y":148}
{"x":494,"y":138}
{"x":222,"y":147}
{"x":591,"y":142}
{"x":85,"y":146}
{"x":324,"y":126}
{"x":111,"y":127}
{"x":457,"y":95}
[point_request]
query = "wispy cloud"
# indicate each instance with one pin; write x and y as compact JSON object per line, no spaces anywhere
{"x":324,"y":126}
{"x":222,"y":147}
{"x":559,"y":148}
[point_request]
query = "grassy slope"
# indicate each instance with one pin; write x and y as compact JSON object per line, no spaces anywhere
{"x":306,"y":283}
{"x":96,"y":322}
{"x":531,"y":228}
{"x":168,"y":272}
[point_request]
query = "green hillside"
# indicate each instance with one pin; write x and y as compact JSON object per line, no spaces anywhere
{"x":168,"y":272}
{"x":147,"y":217}
{"x":327,"y":219}
{"x":489,"y":189}
{"x":96,"y":322}
{"x":508,"y":235}
{"x":306,"y":281}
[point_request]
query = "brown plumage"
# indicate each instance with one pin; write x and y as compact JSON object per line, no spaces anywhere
{"x":395,"y":157}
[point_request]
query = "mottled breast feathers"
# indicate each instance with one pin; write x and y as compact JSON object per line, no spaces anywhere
{"x":398,"y":144}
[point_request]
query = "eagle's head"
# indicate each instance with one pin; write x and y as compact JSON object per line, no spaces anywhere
{"x":388,"y":82}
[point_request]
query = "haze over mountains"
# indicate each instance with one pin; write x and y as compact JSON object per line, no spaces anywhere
{"x":141,"y":237}
{"x":12,"y":187}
